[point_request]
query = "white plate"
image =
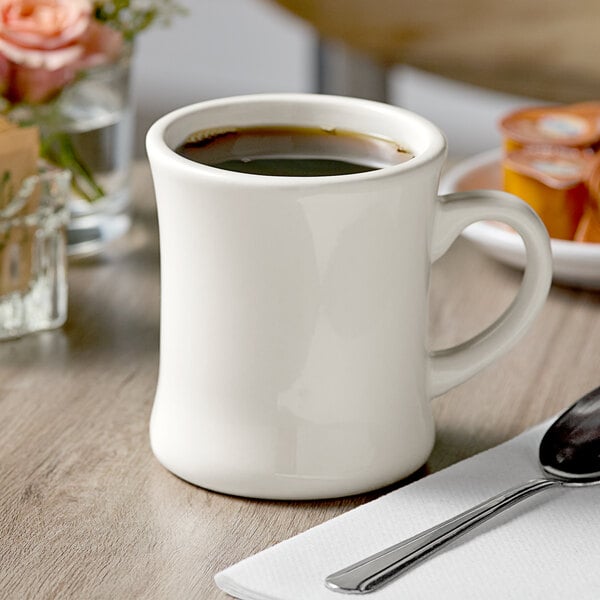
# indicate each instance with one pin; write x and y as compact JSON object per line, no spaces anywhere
{"x":574,"y":263}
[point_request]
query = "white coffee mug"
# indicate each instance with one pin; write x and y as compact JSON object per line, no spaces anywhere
{"x":293,"y":353}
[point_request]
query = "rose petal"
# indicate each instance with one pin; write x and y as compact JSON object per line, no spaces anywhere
{"x":44,"y":24}
{"x":4,"y":74}
{"x":40,"y":59}
{"x":37,"y":85}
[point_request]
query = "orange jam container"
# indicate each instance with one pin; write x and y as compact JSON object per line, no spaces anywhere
{"x":554,"y":182}
{"x":575,"y":126}
{"x":588,"y":229}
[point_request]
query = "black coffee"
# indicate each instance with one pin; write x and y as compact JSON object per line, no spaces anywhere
{"x":292,"y":151}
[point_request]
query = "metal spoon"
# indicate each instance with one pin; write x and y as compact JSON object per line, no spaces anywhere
{"x":569,"y":456}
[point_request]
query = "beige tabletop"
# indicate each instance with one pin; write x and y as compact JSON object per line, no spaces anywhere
{"x":87,"y":512}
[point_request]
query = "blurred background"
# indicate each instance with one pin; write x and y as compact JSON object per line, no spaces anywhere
{"x":230,"y":47}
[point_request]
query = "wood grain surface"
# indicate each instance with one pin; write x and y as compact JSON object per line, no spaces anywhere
{"x":87,"y":512}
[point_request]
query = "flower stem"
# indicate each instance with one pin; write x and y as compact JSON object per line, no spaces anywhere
{"x":58,"y":148}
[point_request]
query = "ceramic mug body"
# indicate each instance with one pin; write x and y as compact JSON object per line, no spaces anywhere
{"x":293,"y":356}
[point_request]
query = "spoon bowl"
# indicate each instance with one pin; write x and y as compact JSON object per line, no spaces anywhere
{"x":569,"y":456}
{"x":570,"y":449}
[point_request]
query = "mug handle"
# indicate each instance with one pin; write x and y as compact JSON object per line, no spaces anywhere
{"x":451,"y":366}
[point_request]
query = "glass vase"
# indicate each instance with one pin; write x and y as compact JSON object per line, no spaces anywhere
{"x":88,"y":129}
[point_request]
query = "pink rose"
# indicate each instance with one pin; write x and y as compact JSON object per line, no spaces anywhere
{"x":46,"y":42}
{"x":36,"y":86}
{"x":4,"y":74}
{"x":43,"y":34}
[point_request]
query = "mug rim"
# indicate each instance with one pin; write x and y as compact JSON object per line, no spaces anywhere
{"x":157,"y":144}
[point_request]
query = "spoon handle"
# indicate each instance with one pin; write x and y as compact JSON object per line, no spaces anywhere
{"x":375,"y":571}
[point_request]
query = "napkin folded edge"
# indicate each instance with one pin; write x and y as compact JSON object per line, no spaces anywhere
{"x":227,"y":584}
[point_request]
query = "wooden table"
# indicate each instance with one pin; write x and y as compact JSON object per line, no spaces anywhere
{"x":87,"y":512}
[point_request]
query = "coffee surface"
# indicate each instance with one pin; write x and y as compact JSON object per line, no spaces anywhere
{"x":291,"y":151}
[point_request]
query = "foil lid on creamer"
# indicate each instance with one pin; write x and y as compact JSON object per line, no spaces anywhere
{"x":575,"y":126}
{"x":557,"y":168}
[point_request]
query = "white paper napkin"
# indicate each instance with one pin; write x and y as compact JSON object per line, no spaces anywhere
{"x":547,"y":547}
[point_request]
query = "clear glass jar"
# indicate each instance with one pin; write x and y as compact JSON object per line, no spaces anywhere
{"x":33,"y":256}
